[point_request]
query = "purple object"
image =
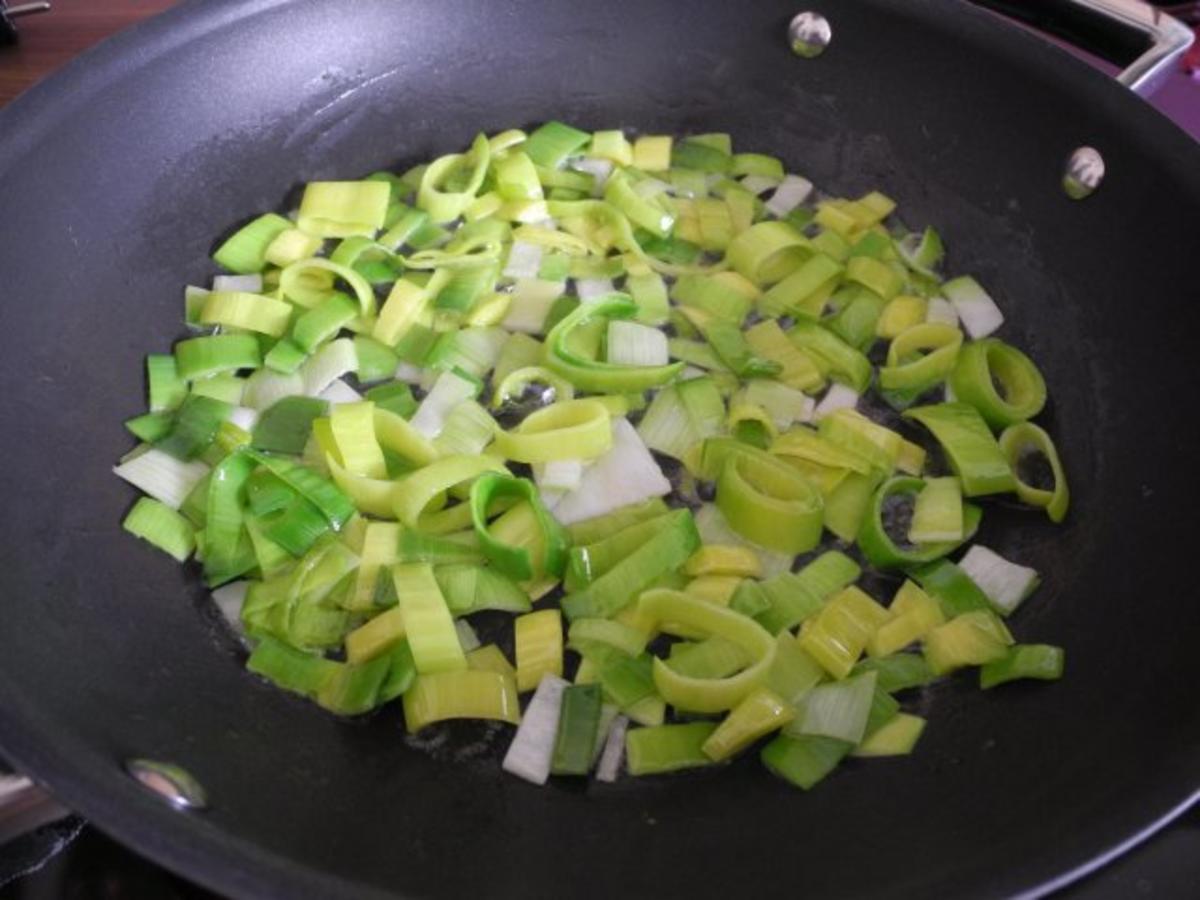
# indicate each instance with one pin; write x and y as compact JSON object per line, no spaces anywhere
{"x":1178,"y":98}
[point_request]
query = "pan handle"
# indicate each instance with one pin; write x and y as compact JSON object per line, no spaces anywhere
{"x":1116,"y":30}
{"x":24,"y":806}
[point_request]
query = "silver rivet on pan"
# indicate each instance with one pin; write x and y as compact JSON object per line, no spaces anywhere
{"x":1084,"y":172}
{"x":809,"y":34}
{"x":171,"y":782}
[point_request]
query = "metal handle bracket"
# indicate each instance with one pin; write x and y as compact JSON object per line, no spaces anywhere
{"x":1164,"y":37}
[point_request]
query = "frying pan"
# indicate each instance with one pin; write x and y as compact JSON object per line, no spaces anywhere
{"x":115,"y":177}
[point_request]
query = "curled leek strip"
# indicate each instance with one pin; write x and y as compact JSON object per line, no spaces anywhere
{"x":908,"y":369}
{"x":516,"y":381}
{"x":676,"y":611}
{"x":768,"y":251}
{"x":770,"y":502}
{"x":879,"y":548}
{"x":590,"y":374}
{"x":447,"y":205}
{"x":981,"y":364}
{"x":510,"y":559}
{"x":574,"y":429}
{"x":1023,"y":439}
{"x":415,"y":492}
{"x":970,"y":447}
{"x":307,"y":282}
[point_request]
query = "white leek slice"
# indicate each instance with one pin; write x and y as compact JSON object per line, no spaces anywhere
{"x":340,"y":392}
{"x":839,"y":710}
{"x":626,"y":474}
{"x":613,"y":753}
{"x":792,"y":191}
{"x":650,"y":187}
{"x":785,"y":405}
{"x":228,"y":599}
{"x":467,"y":636}
{"x":532,"y":748}
{"x":524,"y":260}
{"x":409,"y":373}
{"x":530,"y":304}
{"x":243,"y":417}
{"x":266,"y":388}
{"x":591,"y":289}
{"x":559,"y":474}
{"x":331,"y":362}
{"x":1005,"y":583}
{"x":468,"y":429}
{"x":447,"y":392}
{"x":839,"y":396}
{"x":941,"y":310}
{"x":599,"y":169}
{"x":162,"y":476}
{"x":631,"y":344}
{"x":250,"y":284}
{"x":979,"y":313}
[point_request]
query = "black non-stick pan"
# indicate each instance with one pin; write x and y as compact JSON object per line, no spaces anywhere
{"x":116,"y":175}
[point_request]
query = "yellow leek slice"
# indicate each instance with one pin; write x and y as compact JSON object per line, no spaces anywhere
{"x":466,"y":694}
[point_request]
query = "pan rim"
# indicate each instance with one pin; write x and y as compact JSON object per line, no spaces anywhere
{"x":174,"y":839}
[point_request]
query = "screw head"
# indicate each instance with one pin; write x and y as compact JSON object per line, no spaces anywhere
{"x":171,"y":782}
{"x":1083,"y":173}
{"x":809,"y":34}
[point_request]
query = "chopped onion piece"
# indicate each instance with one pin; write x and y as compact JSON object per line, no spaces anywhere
{"x":626,"y":474}
{"x":631,"y":344}
{"x":979,"y":313}
{"x":524,"y":260}
{"x":162,"y":476}
{"x":613,"y":753}
{"x":792,"y":191}
{"x":532,"y":746}
{"x":1006,"y":584}
{"x":839,"y":396}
